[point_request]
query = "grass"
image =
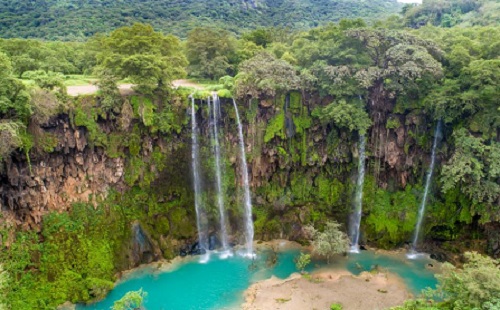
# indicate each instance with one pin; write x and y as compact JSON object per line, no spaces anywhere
{"x":79,"y":80}
{"x":282,"y":300}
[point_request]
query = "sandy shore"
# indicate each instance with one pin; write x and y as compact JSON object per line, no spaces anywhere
{"x":320,"y":290}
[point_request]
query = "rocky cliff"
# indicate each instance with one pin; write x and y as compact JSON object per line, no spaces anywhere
{"x":301,"y":170}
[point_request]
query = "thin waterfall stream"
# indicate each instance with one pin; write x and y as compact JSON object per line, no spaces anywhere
{"x":428,"y":180}
{"x":195,"y":163}
{"x":248,"y":221}
{"x":358,"y":199}
{"x":219,"y":171}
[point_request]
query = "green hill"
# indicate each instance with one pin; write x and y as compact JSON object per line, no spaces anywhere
{"x":77,"y":19}
{"x":446,"y":13}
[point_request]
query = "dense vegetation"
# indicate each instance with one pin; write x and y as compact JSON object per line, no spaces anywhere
{"x":342,"y":80}
{"x":75,"y":20}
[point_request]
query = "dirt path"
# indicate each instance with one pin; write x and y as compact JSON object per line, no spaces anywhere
{"x":125,"y":89}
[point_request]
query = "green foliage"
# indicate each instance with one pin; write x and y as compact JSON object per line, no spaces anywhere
{"x":392,"y":123}
{"x":111,"y":102}
{"x":330,"y":241}
{"x":391,"y":216}
{"x":345,"y":115}
{"x":336,"y":306}
{"x":265,"y":76}
{"x":85,"y":115}
{"x":302,"y":261}
{"x":474,"y":165}
{"x":131,"y":301}
{"x":4,"y":280}
{"x":210,"y":52}
{"x":47,"y":80}
{"x":148,"y":58}
{"x":276,"y":127}
{"x":452,"y":13}
{"x":10,"y":134}
{"x":73,"y":261}
{"x":75,"y":21}
{"x":475,"y":286}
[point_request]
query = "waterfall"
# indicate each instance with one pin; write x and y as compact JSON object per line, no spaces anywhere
{"x":358,"y":199}
{"x":428,"y":180}
{"x":248,"y":202}
{"x":218,"y":171}
{"x":195,"y":162}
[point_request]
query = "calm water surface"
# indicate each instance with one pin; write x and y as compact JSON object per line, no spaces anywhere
{"x":220,"y":283}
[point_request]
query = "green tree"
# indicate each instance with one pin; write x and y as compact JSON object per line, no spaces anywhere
{"x":148,"y":58}
{"x":265,"y":76}
{"x":131,"y":301}
{"x":47,"y":80}
{"x":302,"y":261}
{"x":261,"y":37}
{"x":111,"y":100}
{"x":475,"y":167}
{"x":345,"y":115}
{"x":475,"y":286}
{"x":211,"y":52}
{"x":330,"y":241}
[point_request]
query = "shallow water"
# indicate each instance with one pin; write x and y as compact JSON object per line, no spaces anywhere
{"x":220,"y":283}
{"x":413,"y":271}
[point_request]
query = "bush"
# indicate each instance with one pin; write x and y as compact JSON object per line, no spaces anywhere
{"x":301,"y":261}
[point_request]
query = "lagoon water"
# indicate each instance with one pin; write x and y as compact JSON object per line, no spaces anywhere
{"x":220,"y":283}
{"x":413,"y":271}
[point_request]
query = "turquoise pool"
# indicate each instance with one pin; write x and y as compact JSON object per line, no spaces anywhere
{"x":220,"y":283}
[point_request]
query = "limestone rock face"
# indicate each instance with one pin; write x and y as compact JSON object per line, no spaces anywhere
{"x":73,"y":172}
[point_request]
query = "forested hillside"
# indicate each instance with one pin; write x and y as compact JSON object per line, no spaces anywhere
{"x":74,"y":20}
{"x":460,"y":13}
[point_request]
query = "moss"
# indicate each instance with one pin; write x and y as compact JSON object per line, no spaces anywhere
{"x":392,"y":123}
{"x":133,"y":170}
{"x":134,"y":141}
{"x":295,"y":101}
{"x":276,"y":127}
{"x":147,"y":112}
{"x":116,"y":143}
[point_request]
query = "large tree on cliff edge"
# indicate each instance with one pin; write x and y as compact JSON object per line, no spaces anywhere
{"x":397,"y":62}
{"x":148,"y":58}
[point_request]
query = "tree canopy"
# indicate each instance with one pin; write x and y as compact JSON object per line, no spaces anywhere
{"x":148,"y":58}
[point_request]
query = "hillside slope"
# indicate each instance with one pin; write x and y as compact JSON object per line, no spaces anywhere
{"x":77,"y":19}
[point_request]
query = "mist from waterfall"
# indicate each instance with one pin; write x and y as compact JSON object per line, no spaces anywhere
{"x":214,"y":120}
{"x":248,"y":220}
{"x":358,"y":199}
{"x":428,"y":180}
{"x":201,"y":219}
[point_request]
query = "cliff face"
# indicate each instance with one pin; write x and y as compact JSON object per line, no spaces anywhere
{"x":73,"y":172}
{"x":301,"y":171}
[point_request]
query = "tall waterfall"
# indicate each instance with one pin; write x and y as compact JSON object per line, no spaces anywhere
{"x":358,"y":199}
{"x":195,"y":162}
{"x":428,"y":181}
{"x":248,"y":202}
{"x":218,"y":171}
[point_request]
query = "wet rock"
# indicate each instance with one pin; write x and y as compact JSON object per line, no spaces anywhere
{"x":143,"y":250}
{"x":213,"y":242}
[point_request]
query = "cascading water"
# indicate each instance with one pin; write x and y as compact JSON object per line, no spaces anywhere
{"x":358,"y":199}
{"x":428,"y":180}
{"x":218,"y":171}
{"x":246,"y":187}
{"x":195,"y":163}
